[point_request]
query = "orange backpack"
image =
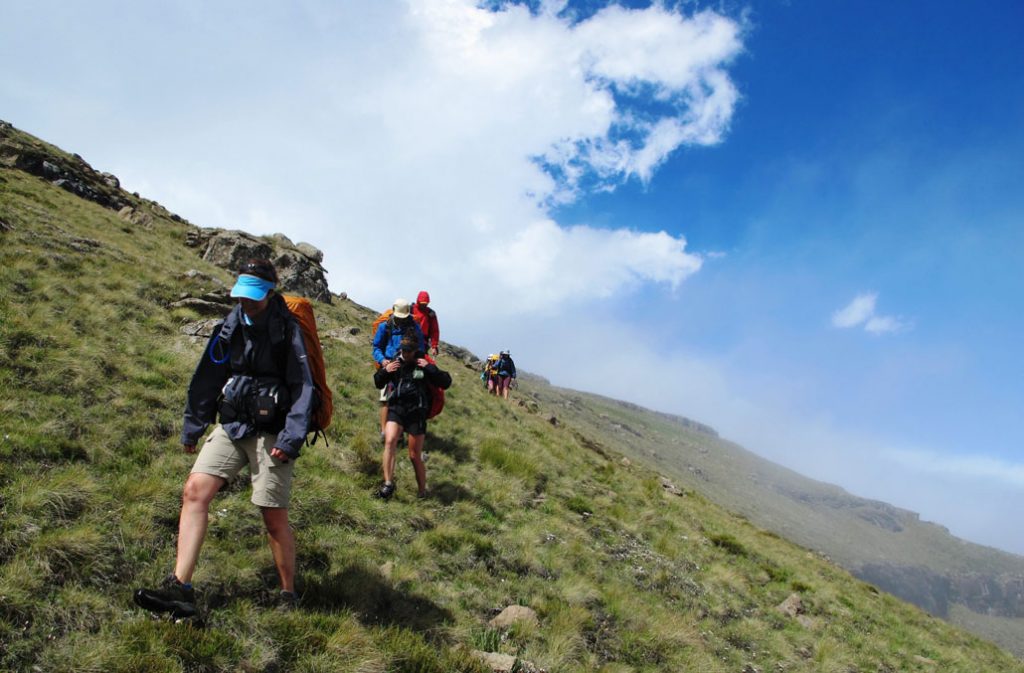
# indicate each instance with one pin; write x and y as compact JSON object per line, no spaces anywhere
{"x":323,"y":405}
{"x":382,"y":318}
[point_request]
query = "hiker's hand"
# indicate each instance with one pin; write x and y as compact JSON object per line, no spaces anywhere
{"x":434,"y":349}
{"x":392,"y":366}
{"x":422,"y":362}
{"x":189,"y":448}
{"x":279,"y":454}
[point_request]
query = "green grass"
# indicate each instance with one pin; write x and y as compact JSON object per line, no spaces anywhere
{"x":624,"y":577}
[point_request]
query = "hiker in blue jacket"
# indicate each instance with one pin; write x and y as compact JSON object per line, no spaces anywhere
{"x":255,"y":377}
{"x":505,"y":369}
{"x":386,"y":344}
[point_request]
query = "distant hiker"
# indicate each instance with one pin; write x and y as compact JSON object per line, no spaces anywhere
{"x":506,"y":373}
{"x":253,"y":374}
{"x":404,"y":382}
{"x":490,"y":374}
{"x":426,"y":318}
{"x":386,"y":339}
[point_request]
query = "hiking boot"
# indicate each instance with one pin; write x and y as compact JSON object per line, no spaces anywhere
{"x":287,"y":601}
{"x":172,"y":596}
{"x":387,"y":490}
{"x":425,"y":493}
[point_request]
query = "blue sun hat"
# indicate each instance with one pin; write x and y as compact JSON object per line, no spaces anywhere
{"x":251,"y":287}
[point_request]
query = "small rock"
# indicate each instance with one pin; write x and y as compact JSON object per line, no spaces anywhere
{"x":670,"y":487}
{"x":201,"y":306}
{"x":499,"y":663}
{"x":514,"y":614}
{"x":792,"y":606}
{"x":201,"y":328}
{"x":387,"y":569}
{"x":925,"y":660}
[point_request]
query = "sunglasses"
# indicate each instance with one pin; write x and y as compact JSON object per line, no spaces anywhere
{"x":264,"y":271}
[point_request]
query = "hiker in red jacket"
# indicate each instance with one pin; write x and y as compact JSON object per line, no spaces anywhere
{"x":426,"y":318}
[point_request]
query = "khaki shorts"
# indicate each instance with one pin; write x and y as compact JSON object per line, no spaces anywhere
{"x":271,"y":478}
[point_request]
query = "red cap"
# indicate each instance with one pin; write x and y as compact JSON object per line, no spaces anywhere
{"x":423,"y":297}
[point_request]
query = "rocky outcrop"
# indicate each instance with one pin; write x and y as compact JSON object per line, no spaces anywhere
{"x":69,"y":172}
{"x":298,"y":265}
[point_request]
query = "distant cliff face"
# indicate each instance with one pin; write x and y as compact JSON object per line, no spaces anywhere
{"x":1000,"y":595}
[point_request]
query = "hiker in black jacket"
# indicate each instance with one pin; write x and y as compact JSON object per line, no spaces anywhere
{"x":254,"y":375}
{"x":404,"y":380}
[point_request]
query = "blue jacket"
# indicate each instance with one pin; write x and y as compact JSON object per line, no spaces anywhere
{"x":273,"y":350}
{"x":388,"y":339}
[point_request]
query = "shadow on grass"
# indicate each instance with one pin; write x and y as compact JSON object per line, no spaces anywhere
{"x":374,"y":601}
{"x":448,"y":493}
{"x":458,"y":452}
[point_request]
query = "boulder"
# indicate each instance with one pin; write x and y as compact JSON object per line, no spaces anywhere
{"x":135,"y":216}
{"x":311,"y":251}
{"x":230,"y":249}
{"x":301,"y":275}
{"x":297,"y":272}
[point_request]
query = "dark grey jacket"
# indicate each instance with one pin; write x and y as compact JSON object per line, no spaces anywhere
{"x":272,"y":349}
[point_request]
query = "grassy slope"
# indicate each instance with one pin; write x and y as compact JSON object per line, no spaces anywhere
{"x":852,"y":530}
{"x":623,"y":576}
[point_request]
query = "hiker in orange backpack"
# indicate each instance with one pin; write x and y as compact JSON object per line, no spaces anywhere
{"x":490,"y":374}
{"x":254,"y":378}
{"x":404,"y":380}
{"x":426,"y":318}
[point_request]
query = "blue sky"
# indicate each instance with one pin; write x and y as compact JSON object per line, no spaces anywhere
{"x":801,"y":222}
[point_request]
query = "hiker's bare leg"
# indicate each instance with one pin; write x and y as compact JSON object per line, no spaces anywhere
{"x":192,"y":522}
{"x":392,"y":432}
{"x":282,"y":544}
{"x":383,"y":415}
{"x":416,"y":456}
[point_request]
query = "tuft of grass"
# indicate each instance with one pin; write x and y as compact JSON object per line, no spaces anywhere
{"x":493,"y":452}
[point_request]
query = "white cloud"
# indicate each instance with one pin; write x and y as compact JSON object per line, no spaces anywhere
{"x":857,"y":311}
{"x":861,"y":311}
{"x":978,"y":467}
{"x":436,"y":130}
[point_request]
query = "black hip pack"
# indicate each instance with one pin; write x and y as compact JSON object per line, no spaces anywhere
{"x":260,"y":402}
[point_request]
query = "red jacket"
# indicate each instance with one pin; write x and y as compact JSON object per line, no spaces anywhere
{"x":427,"y":320}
